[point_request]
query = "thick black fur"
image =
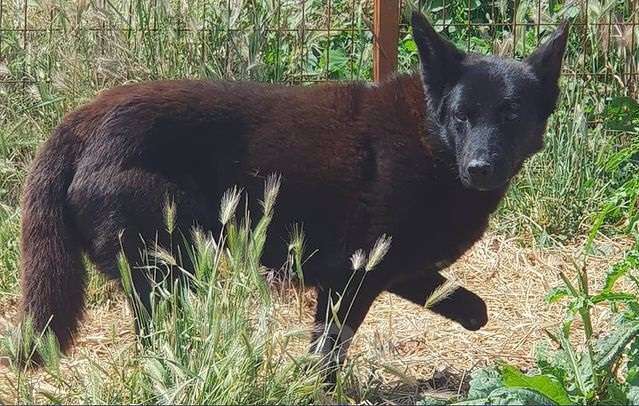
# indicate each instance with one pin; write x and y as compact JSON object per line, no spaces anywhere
{"x":425,"y":158}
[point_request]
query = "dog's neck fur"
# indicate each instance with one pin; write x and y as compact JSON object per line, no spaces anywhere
{"x":407,"y":109}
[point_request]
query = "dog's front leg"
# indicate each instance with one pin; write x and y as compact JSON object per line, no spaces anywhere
{"x":462,"y":305}
{"x":338,"y":315}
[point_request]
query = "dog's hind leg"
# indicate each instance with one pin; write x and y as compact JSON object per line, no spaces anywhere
{"x":125,"y":212}
{"x":462,"y":305}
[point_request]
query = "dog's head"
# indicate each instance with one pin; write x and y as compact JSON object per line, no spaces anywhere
{"x":490,"y":112}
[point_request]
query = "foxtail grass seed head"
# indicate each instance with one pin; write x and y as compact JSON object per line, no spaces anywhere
{"x":271,"y":190}
{"x":358,"y":259}
{"x":440,"y":293}
{"x":169,"y":214}
{"x":380,"y":249}
{"x":297,"y":239}
{"x":203,"y":242}
{"x":164,"y":256}
{"x":228,"y":205}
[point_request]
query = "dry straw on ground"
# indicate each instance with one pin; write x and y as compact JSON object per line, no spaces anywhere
{"x":405,"y":349}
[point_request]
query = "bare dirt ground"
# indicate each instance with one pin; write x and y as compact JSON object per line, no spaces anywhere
{"x":404,"y":348}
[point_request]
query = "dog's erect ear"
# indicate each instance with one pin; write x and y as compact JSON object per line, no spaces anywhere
{"x":546,"y":63}
{"x":440,"y":59}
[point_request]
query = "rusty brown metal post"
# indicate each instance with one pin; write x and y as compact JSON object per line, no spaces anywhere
{"x":385,"y":38}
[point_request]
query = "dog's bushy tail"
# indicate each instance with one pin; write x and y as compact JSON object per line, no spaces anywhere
{"x":53,"y":276}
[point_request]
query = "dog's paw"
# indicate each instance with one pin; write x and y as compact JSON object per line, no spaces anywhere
{"x":465,"y":308}
{"x":473,"y":313}
{"x":474,"y":323}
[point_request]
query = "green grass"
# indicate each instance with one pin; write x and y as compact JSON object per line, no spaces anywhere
{"x":9,"y":224}
{"x":211,"y":338}
{"x":556,"y":199}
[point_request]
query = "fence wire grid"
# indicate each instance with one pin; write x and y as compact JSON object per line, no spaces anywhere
{"x":108,"y":42}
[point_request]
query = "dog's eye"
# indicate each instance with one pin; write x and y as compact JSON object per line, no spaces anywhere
{"x":461,"y":116}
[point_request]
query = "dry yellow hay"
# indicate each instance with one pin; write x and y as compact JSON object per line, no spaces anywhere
{"x":407,"y":348}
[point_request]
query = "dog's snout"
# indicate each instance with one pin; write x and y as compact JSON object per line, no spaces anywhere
{"x":480,"y":170}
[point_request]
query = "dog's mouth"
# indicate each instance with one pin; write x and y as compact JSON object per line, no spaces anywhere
{"x":484,"y":185}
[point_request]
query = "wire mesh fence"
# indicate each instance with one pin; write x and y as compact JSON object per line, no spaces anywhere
{"x":107,"y":42}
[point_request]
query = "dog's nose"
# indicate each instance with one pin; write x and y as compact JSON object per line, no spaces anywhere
{"x":480,"y":170}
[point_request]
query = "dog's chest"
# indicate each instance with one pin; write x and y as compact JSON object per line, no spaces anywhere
{"x":441,"y":226}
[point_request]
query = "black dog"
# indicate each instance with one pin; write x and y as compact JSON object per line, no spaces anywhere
{"x":425,"y":158}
